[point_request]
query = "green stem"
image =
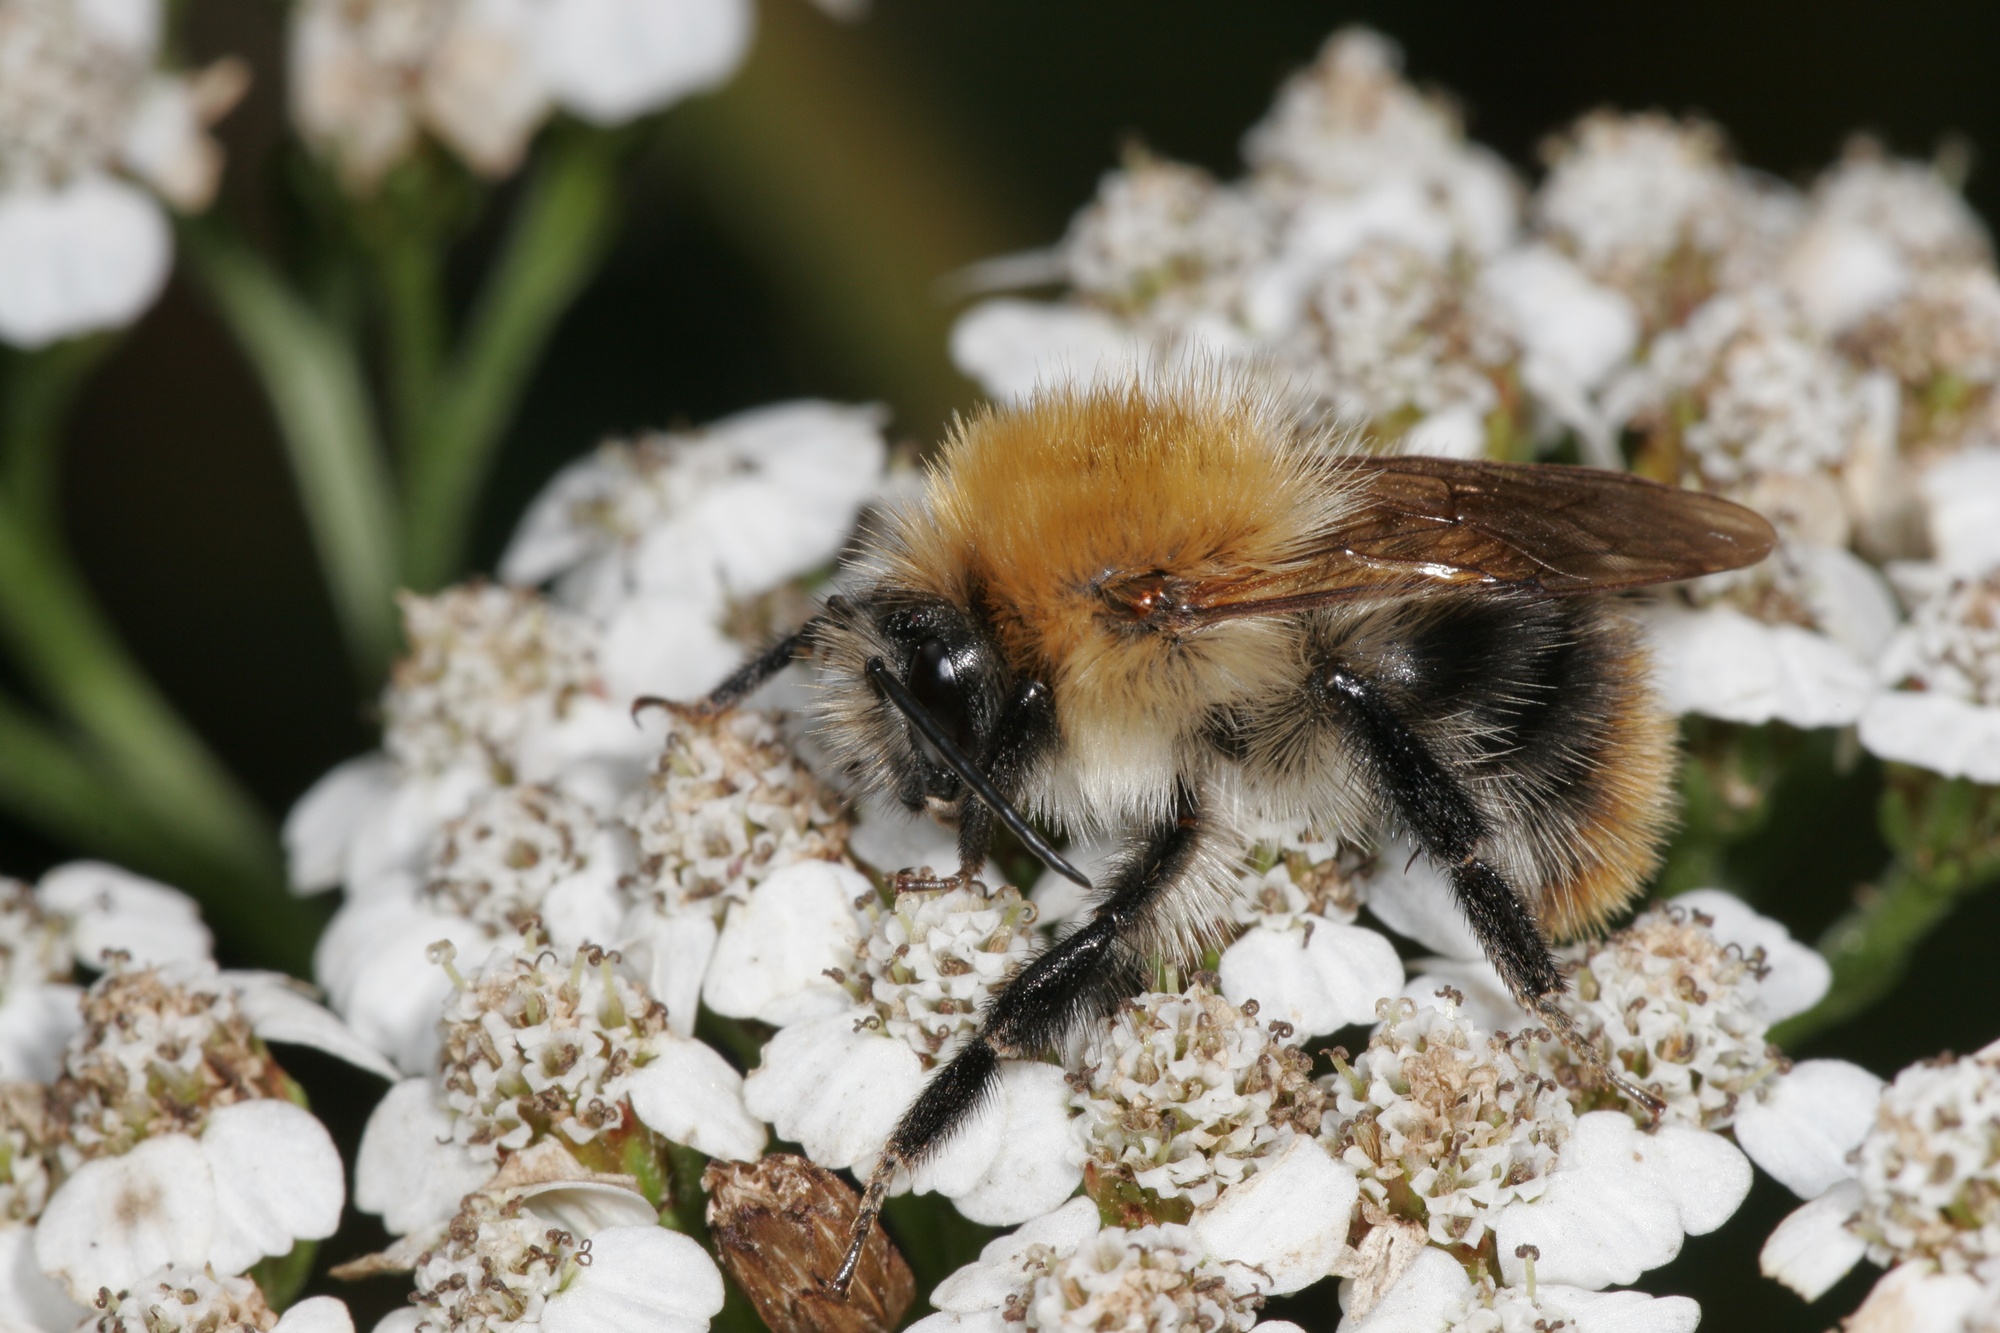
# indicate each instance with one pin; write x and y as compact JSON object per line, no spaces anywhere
{"x":144,"y":786}
{"x":411,"y":276}
{"x":47,"y":780}
{"x":320,"y":399}
{"x":1947,"y":837}
{"x":559,"y":234}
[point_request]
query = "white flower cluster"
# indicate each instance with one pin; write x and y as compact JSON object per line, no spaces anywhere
{"x":540,"y":1047}
{"x":368,"y":77}
{"x":1443,"y":1126}
{"x":1922,"y":1199}
{"x":165,"y":1150}
{"x":517,"y":780}
{"x":194,"y":1300}
{"x":84,"y":109}
{"x":1186,"y":1097}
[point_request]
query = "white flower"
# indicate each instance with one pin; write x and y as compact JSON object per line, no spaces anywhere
{"x":1434,"y":1295}
{"x":861,"y":1040}
{"x":1388,"y":334}
{"x":519,"y":858}
{"x":536,"y":1047}
{"x":1573,"y":333}
{"x":727,"y":809}
{"x":1062,"y":1272}
{"x":81,"y":100}
{"x":1941,"y":706}
{"x":1940,"y":340}
{"x":78,"y":913}
{"x":482,"y":75}
{"x":499,"y":686}
{"x":1654,"y":208}
{"x":1924,"y":1197}
{"x":1682,"y":1000}
{"x":730,"y":511}
{"x":1303,"y":960}
{"x":1455,"y":1132}
{"x":178,"y":1140}
{"x":1013,"y":347}
{"x":1163,"y":243}
{"x":1350,"y":130}
{"x":1875,"y":223}
{"x":183,"y":1299}
{"x":1191,"y":1111}
{"x":569,"y":1257}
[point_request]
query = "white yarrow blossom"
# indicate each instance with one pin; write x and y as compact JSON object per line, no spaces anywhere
{"x":1193,"y":1111}
{"x":369,"y":76}
{"x":1454,"y":1132}
{"x":499,"y":686}
{"x":1939,"y":705}
{"x":1434,"y":1295}
{"x":183,"y":1299}
{"x":538,"y":1047}
{"x":567,"y":1256}
{"x":519,"y":858}
{"x":1064,"y":1273}
{"x":85,"y":110}
{"x":178,"y":1138}
{"x":728,"y":808}
{"x":1923,"y":1201}
{"x":1302,"y":959}
{"x":875,"y":1002}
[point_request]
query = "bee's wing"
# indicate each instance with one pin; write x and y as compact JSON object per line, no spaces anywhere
{"x":1423,"y":524}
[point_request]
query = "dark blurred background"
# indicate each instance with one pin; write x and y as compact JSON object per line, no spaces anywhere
{"x":788,"y":237}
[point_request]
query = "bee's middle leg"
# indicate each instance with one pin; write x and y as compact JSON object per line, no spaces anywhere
{"x":1081,"y":977}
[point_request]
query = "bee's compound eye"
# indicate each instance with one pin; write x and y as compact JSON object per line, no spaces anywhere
{"x":934,"y":680}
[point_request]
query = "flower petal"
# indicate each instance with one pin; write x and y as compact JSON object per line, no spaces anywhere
{"x":672,"y":953}
{"x":118,"y":1218}
{"x":833,"y":1091}
{"x":1950,"y":736}
{"x":1430,"y":1291}
{"x":1803,"y":1128}
{"x":612,"y":60}
{"x":984,"y":1286}
{"x":278,"y":1180}
{"x":1604,"y":1218}
{"x":111,"y":908}
{"x":92,"y":254}
{"x":1812,"y":1248}
{"x":408,"y":1168}
{"x":1721,"y":663}
{"x":689,"y":1094}
{"x":584,"y":1207}
{"x":1018,"y":1158}
{"x":1319,"y":978}
{"x":775,"y":949}
{"x":1010,"y":346}
{"x":1706,"y":1175}
{"x":1623,"y":1311}
{"x":1483,"y":999}
{"x":316,"y":1314}
{"x":1915,"y":1298}
{"x":29,"y":1298}
{"x":640,"y":1280}
{"x":36,"y":1022}
{"x":1289,"y":1219}
{"x":374,"y":960}
{"x":279,"y":1012}
{"x":322,"y":822}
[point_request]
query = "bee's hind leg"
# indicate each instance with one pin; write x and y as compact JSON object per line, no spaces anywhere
{"x":1440,"y":813}
{"x":1081,"y":977}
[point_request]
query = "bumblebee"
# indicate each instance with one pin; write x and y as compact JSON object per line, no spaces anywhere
{"x":1164,"y":611}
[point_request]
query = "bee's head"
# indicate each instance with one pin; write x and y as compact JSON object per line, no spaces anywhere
{"x":945,"y":661}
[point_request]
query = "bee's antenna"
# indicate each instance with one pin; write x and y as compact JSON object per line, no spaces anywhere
{"x":954,"y":758}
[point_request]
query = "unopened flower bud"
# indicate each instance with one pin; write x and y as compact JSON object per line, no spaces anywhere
{"x":781,"y":1225}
